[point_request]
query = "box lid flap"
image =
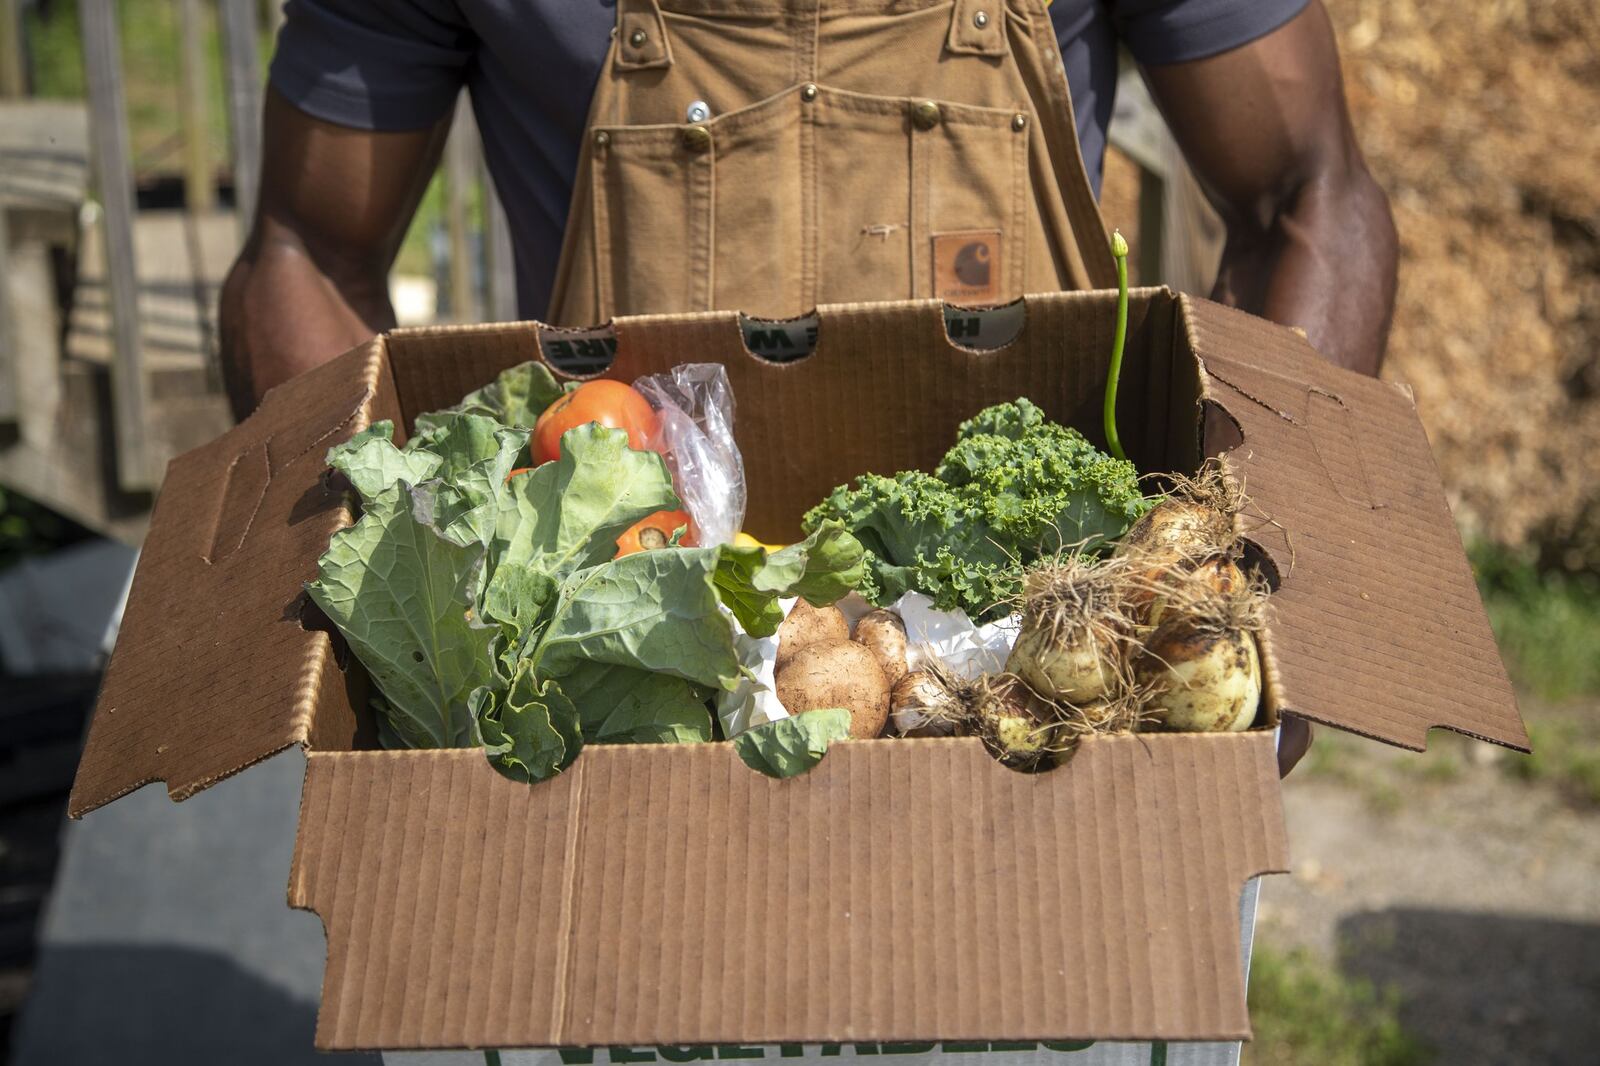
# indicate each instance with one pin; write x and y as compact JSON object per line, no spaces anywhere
{"x":900,"y":890}
{"x":1377,"y":627}
{"x":213,"y":670}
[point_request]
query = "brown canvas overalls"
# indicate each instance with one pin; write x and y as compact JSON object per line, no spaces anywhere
{"x":773,"y":155}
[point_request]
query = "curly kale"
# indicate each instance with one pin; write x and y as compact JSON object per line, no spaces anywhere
{"x":1015,"y":486}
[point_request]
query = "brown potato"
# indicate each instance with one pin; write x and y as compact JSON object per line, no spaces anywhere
{"x":884,"y":634}
{"x":922,"y":707}
{"x":807,"y":625}
{"x":837,"y":673}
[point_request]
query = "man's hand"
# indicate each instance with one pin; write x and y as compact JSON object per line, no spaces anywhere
{"x":312,"y":279}
{"x":1310,"y":240}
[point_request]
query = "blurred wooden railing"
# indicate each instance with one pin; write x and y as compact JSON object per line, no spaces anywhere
{"x":87,"y":424}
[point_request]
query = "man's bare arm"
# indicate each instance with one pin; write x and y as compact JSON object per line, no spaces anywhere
{"x":1310,"y":242}
{"x":312,"y":279}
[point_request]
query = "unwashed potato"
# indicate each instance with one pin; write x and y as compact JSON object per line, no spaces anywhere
{"x":807,"y":625}
{"x":836,"y":673}
{"x":922,"y":707}
{"x":884,"y":634}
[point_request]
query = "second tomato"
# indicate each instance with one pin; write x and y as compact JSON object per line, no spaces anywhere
{"x":655,"y":531}
{"x":610,"y":403}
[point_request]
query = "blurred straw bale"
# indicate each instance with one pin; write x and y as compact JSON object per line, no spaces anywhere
{"x":1482,"y":120}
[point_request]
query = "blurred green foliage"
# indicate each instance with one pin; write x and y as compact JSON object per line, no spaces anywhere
{"x":1306,"y":1013}
{"x":150,"y":49}
{"x":1565,"y":754}
{"x":151,"y":83}
{"x":1547,"y":624}
{"x":27,"y":529}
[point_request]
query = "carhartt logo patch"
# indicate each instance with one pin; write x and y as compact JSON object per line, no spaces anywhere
{"x":967,"y":267}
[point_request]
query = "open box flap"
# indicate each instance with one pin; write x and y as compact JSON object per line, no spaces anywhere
{"x":213,"y":670}
{"x":900,"y":890}
{"x":1377,"y":627}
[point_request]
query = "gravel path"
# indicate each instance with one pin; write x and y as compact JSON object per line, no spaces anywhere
{"x":1475,"y":894}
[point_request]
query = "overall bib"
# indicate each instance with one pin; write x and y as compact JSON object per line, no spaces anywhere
{"x":772,"y":155}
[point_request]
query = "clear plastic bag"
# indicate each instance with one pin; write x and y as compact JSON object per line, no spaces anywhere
{"x":694,"y":404}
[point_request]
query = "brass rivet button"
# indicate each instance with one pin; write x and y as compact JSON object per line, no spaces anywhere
{"x":1019,"y":122}
{"x":808,"y":92}
{"x":696,"y":138}
{"x":981,"y":19}
{"x":601,"y":138}
{"x":925,"y":115}
{"x":637,"y":38}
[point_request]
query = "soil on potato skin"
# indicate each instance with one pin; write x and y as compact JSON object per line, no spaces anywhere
{"x":1473,"y":894}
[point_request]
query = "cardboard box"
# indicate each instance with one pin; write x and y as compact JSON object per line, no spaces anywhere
{"x":902,"y":891}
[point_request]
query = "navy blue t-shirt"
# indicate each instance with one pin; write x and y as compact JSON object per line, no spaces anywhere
{"x":532,"y":65}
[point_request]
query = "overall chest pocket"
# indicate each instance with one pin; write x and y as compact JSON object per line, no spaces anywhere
{"x":812,"y":196}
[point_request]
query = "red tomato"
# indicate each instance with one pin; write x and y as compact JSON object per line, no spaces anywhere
{"x":610,"y":403}
{"x":655,"y":531}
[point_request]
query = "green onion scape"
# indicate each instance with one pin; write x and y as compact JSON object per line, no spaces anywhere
{"x":1119,"y":249}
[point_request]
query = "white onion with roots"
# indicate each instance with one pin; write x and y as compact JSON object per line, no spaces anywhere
{"x":1075,"y":629}
{"x":1201,"y":666}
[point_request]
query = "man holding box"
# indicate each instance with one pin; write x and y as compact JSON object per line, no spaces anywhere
{"x":668,"y":155}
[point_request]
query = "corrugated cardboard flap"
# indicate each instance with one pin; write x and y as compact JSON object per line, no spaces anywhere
{"x":213,"y":670}
{"x":900,"y":890}
{"x":1377,"y":627}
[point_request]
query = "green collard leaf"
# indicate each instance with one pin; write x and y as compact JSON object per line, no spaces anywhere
{"x":739,"y":570}
{"x":654,"y":610}
{"x":516,"y":398}
{"x":530,"y":729}
{"x":827,"y":565}
{"x":400,"y":594}
{"x":519,"y":599}
{"x":567,"y":515}
{"x":822,"y":568}
{"x":372,"y":464}
{"x":620,"y":705}
{"x":462,"y":500}
{"x":792,"y":745}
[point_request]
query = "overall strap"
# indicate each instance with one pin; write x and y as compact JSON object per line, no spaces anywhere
{"x":977,"y":27}
{"x":641,"y":36}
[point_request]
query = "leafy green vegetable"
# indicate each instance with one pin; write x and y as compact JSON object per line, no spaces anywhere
{"x":529,"y":730}
{"x":475,"y":454}
{"x":567,"y":515}
{"x":371,"y":462}
{"x":493,"y":612}
{"x":1014,"y":486}
{"x":627,"y":706}
{"x":516,"y":398}
{"x":823,"y":567}
{"x":399,"y":593}
{"x":518,"y":598}
{"x":792,"y":745}
{"x":653,"y":610}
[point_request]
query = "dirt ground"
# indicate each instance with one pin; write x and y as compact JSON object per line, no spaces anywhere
{"x":1474,"y":895}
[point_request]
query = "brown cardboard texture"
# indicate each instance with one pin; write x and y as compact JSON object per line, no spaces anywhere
{"x":1377,"y":627}
{"x":213,"y":670}
{"x":667,"y":894}
{"x":1095,"y":901}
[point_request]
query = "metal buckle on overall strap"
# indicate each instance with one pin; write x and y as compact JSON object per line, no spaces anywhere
{"x":641,"y":36}
{"x":977,"y":27}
